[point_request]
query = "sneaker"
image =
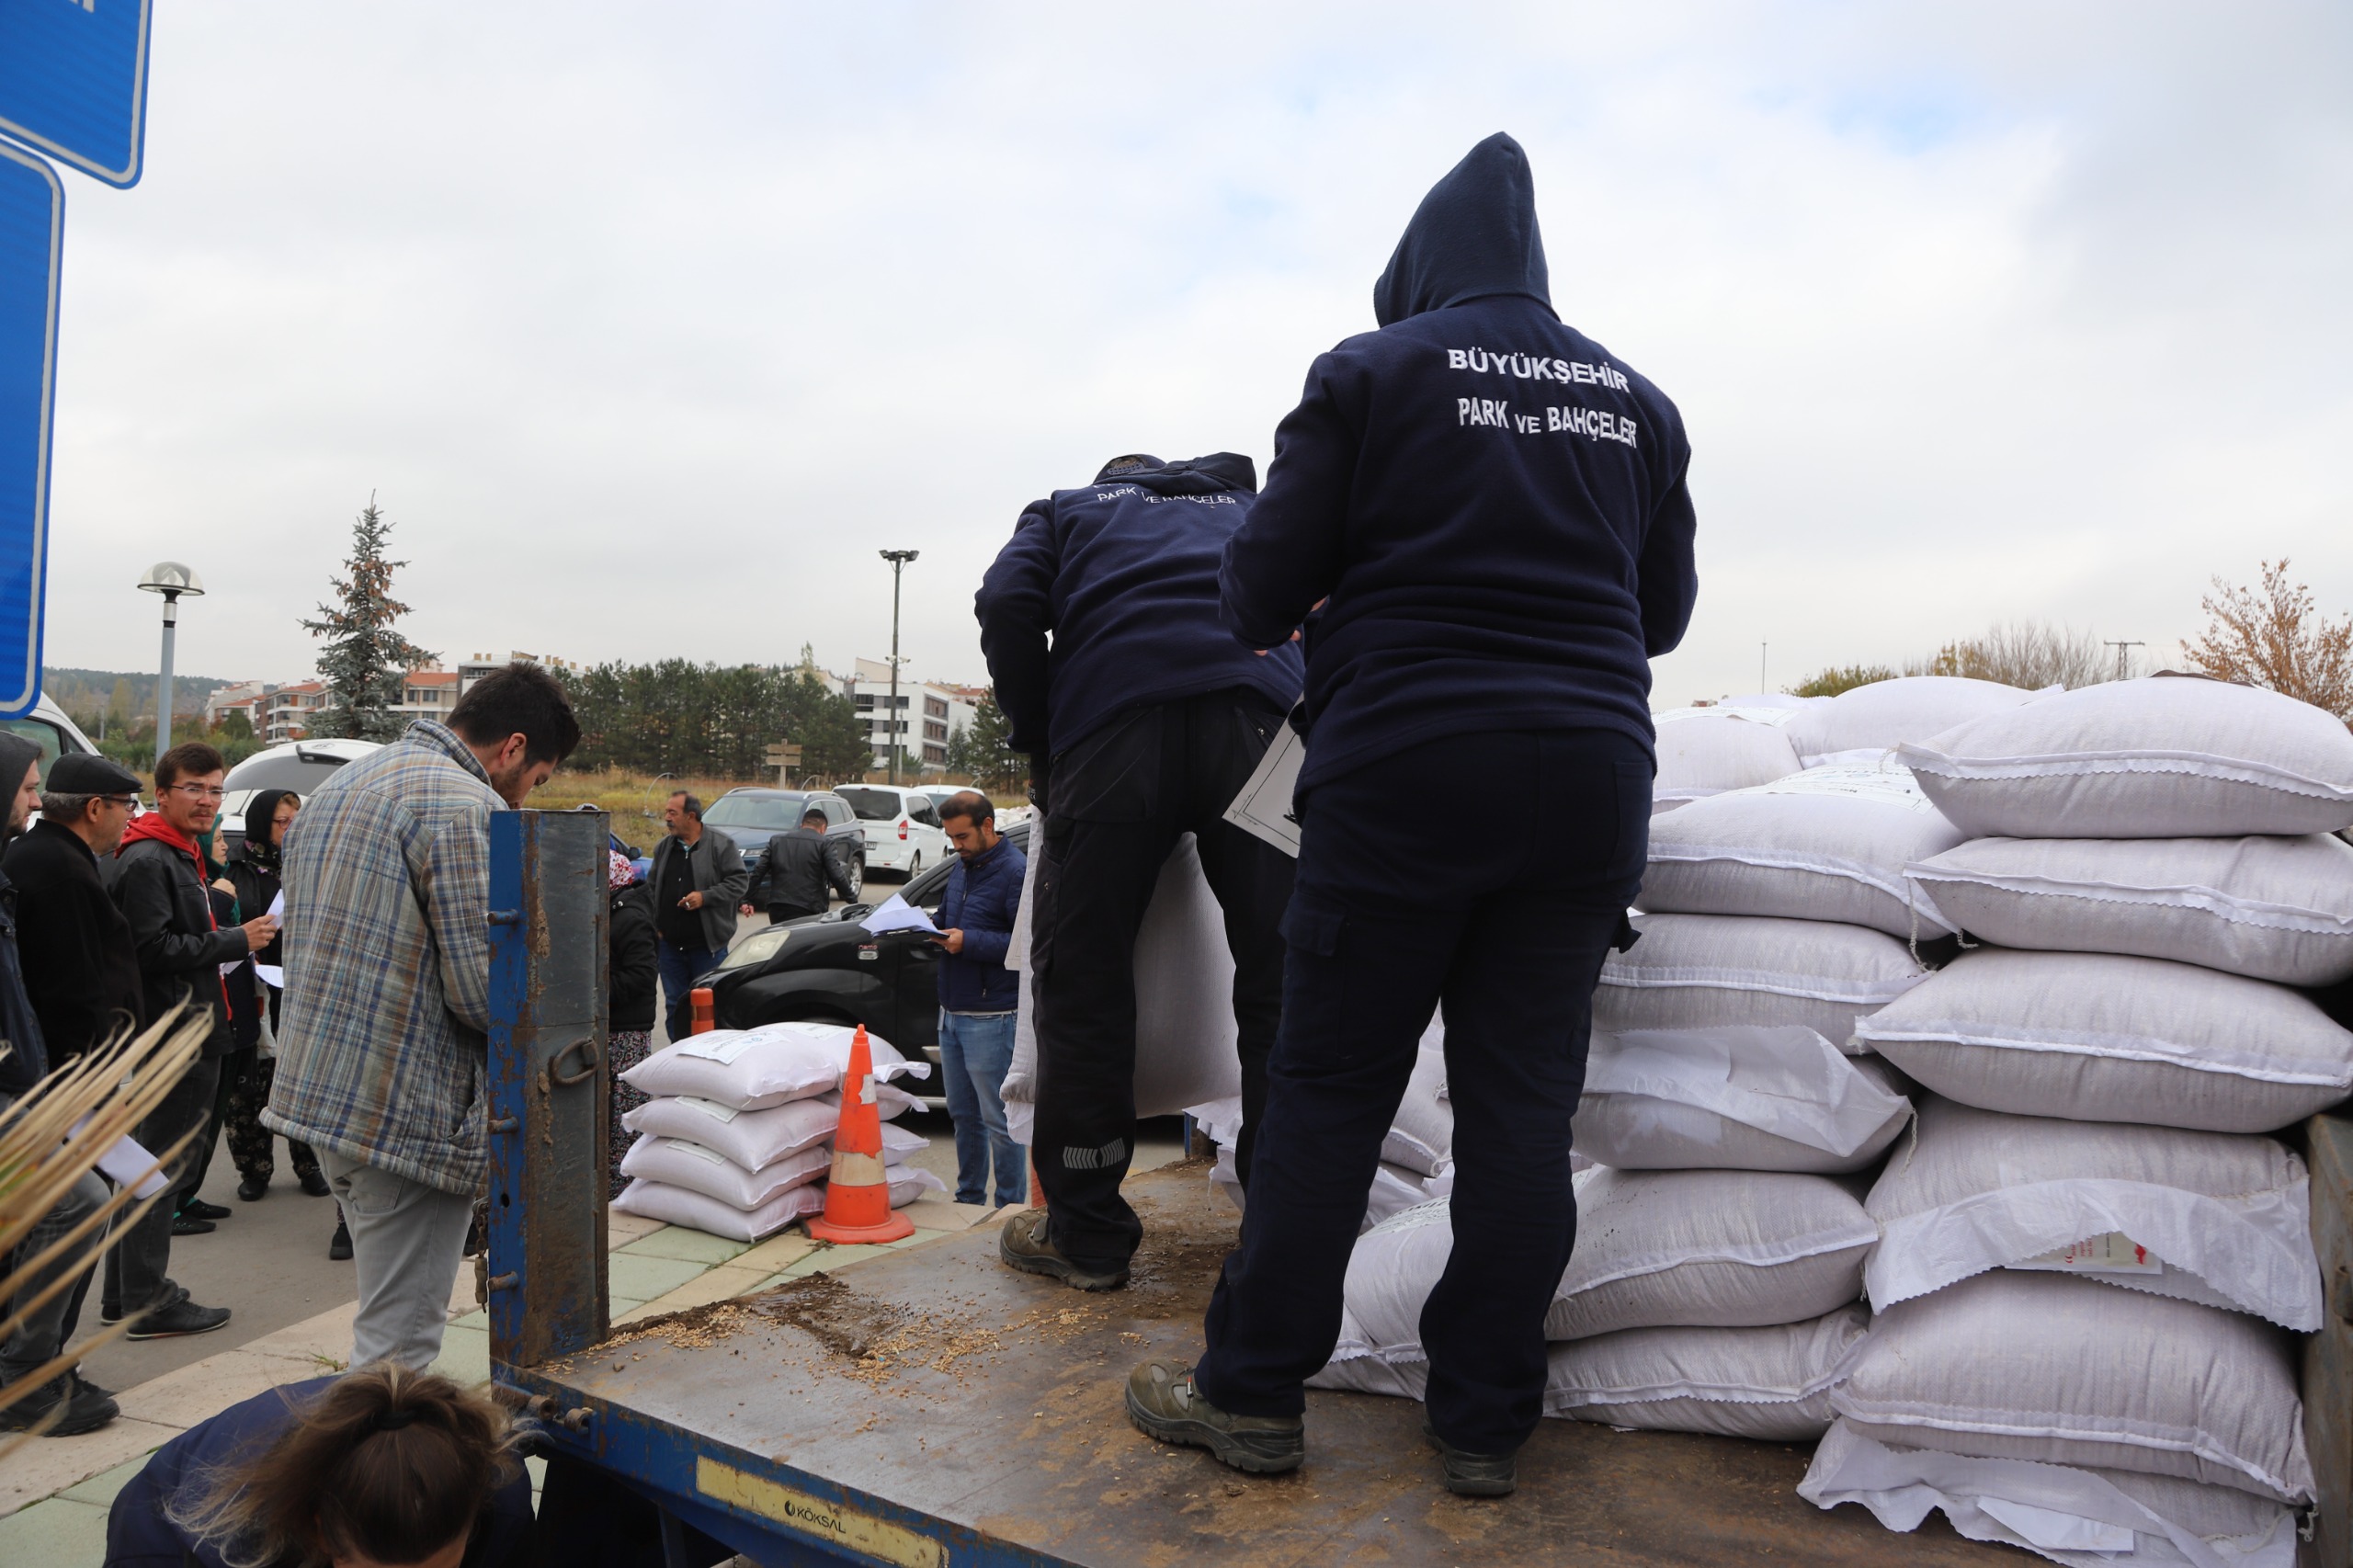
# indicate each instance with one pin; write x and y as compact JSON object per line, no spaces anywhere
{"x":339,"y":1249}
{"x":253,"y":1189}
{"x":1022,"y":1244}
{"x":1474,"y":1475}
{"x":189,"y":1225}
{"x":196,"y":1209}
{"x":1165,"y":1404}
{"x":178,"y":1320}
{"x":87,"y":1408}
{"x":314,"y":1184}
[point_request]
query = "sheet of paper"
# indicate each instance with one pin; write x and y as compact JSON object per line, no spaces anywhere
{"x":1264,"y":806}
{"x":895,"y":914}
{"x":278,"y":905}
{"x":272,"y":975}
{"x":126,"y":1162}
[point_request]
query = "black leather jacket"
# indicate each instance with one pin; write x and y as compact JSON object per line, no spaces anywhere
{"x":180,"y":954}
{"x":798,"y":868}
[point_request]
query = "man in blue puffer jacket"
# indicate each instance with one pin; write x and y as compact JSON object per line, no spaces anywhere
{"x":978,"y":997}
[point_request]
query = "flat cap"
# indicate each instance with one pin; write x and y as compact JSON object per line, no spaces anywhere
{"x":80,"y":773}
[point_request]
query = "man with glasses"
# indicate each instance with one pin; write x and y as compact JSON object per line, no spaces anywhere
{"x":82,"y":980}
{"x":159,"y":884}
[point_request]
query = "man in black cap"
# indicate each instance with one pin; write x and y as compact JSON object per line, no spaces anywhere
{"x":79,"y":1406}
{"x":80,"y":969}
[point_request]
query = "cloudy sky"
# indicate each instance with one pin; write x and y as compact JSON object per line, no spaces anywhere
{"x":649,"y":324}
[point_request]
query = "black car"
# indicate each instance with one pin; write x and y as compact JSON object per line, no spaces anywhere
{"x":830,"y":967}
{"x":752,"y":817}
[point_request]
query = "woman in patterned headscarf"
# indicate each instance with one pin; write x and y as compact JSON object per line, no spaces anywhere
{"x":630,"y":995}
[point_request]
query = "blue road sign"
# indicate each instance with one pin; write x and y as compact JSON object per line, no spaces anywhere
{"x":32,"y":231}
{"x":74,"y":82}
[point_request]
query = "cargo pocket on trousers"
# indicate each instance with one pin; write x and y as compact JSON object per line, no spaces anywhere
{"x":1312,"y":927}
{"x":1112,"y":776}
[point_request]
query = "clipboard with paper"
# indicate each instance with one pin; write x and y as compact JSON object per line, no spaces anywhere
{"x":1264,"y":807}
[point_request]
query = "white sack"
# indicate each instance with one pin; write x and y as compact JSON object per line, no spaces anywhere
{"x":2099,"y":1038}
{"x":2156,"y":758}
{"x":1858,"y":724}
{"x":754,"y":1069}
{"x":1827,"y":844}
{"x":2267,"y":908}
{"x":1732,"y":1098}
{"x":752,"y":1139}
{"x":1706,"y":751}
{"x":1186,"y":1050}
{"x":909,"y":1183}
{"x":2223,"y":1218}
{"x":2045,"y":1366}
{"x":1768,"y":1383}
{"x":1421,"y":1135}
{"x":2086,"y":1518}
{"x":890,"y":1101}
{"x":1705,"y":972}
{"x":674,"y":1162}
{"x":700,"y":1211}
{"x":1396,"y":1189}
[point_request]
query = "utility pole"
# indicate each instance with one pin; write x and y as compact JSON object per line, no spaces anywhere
{"x":898,"y":559}
{"x":170,"y":579}
{"x":2120,"y":647}
{"x":1761,"y":647}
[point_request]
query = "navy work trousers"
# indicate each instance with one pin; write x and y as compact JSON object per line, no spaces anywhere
{"x":1505,"y":917}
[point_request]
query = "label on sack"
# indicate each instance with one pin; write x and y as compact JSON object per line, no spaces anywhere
{"x":709,"y":1048}
{"x":698,"y":1151}
{"x":1889,"y":783}
{"x":2114,"y":1253}
{"x":710,"y":1108}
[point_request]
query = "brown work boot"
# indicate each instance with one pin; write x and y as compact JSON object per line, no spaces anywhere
{"x":1163,"y":1404}
{"x":1473,"y":1475}
{"x":1022,"y":1244}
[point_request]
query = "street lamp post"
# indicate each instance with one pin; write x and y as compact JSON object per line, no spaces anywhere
{"x":170,"y":579}
{"x":898,"y":559}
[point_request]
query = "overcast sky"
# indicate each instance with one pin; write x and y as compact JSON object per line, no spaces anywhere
{"x":649,"y":324}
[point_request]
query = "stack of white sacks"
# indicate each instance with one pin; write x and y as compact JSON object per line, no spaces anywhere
{"x":738,"y":1135}
{"x":2082,"y":1351}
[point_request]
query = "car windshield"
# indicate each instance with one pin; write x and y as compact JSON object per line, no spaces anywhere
{"x":777,"y":814}
{"x":871,"y":805}
{"x":299,"y":774}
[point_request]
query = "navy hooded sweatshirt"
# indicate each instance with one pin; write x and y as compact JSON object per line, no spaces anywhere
{"x":1493,"y":502}
{"x":1124,"y":576}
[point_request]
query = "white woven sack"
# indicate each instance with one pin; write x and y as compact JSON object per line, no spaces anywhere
{"x":1733,"y":1098}
{"x":1421,"y":1135}
{"x":2157,"y":758}
{"x":909,"y":1183}
{"x":1706,"y":751}
{"x":1857,"y":725}
{"x":754,"y":1069}
{"x":2085,"y":1519}
{"x":1705,"y":972}
{"x":890,"y":1102}
{"x":1396,"y":1189}
{"x":2267,"y":908}
{"x":2099,"y":1038}
{"x":1827,"y":844}
{"x":676,"y":1163}
{"x":1186,"y":1037}
{"x":2223,"y":1218}
{"x":701,"y":1211}
{"x":752,"y":1139}
{"x":1772,"y":1385}
{"x":2044,"y":1366}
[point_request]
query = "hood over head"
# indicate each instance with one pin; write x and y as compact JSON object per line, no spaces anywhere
{"x":1194,"y":476}
{"x":1473,"y":236}
{"x":17,"y":755}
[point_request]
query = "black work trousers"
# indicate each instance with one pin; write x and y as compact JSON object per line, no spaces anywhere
{"x":1119,"y":800}
{"x":1394,"y":915}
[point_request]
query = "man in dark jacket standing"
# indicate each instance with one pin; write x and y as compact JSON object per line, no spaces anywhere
{"x":1490,"y":509}
{"x":79,"y":967}
{"x":979,"y":998}
{"x":799,"y":871}
{"x":1142,"y":721}
{"x":159,"y":884}
{"x":698,"y":880}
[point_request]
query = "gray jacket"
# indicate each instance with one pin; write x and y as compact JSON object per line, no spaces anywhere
{"x":717,"y":868}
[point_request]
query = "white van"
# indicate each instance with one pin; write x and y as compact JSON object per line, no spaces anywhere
{"x":901,"y":823}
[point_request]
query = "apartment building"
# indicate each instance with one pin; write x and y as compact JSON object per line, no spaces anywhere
{"x":930,"y":713}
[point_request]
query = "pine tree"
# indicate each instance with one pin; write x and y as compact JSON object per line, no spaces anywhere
{"x":981,"y":749}
{"x":366,"y":658}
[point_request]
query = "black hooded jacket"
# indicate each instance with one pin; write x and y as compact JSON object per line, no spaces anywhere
{"x":26,"y":1061}
{"x":1493,"y":503}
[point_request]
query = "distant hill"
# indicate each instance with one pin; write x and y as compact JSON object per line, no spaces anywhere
{"x":90,"y":691}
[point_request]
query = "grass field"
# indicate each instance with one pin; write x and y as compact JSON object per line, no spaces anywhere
{"x":635,"y":799}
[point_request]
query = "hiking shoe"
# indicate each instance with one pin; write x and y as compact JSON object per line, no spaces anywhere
{"x":1474,"y":1475}
{"x":196,"y":1209}
{"x":314,"y":1184}
{"x":87,"y":1408}
{"x":253,"y":1189}
{"x":340,"y":1248}
{"x":1163,"y":1404}
{"x":182,"y":1317}
{"x":1022,"y":1244}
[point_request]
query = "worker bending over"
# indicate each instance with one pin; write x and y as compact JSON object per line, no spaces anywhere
{"x":1495,"y":506}
{"x":1143,"y":720}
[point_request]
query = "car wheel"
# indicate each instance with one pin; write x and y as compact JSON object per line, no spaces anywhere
{"x":915,"y":865}
{"x":856,"y":878}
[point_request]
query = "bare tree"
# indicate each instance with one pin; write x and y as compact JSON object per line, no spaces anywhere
{"x":2025,"y":654}
{"x":2273,"y":636}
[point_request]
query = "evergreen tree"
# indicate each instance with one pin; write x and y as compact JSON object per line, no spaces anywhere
{"x":981,"y":750}
{"x":833,"y":738}
{"x":366,"y":657}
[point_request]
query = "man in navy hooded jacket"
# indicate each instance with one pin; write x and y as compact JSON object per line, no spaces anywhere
{"x":1143,"y":717}
{"x":1480,"y":516}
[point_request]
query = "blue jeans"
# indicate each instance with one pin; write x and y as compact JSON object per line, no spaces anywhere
{"x":975,"y":1049}
{"x":682,"y":969}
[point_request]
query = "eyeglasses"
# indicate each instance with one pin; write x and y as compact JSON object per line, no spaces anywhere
{"x":199,"y":791}
{"x":128,"y":803}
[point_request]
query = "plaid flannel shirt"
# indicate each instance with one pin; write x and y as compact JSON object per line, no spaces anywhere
{"x":382,"y":1034}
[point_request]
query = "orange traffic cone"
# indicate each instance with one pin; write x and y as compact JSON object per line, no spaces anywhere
{"x":699,"y":1009}
{"x":858,"y":1195}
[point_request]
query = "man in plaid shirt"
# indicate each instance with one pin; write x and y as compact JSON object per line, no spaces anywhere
{"x":381,"y":1046}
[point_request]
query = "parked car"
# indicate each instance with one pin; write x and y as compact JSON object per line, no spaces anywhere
{"x":48,"y":727}
{"x":752,"y":817}
{"x":830,"y":967}
{"x":299,"y":766}
{"x":902,"y":826}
